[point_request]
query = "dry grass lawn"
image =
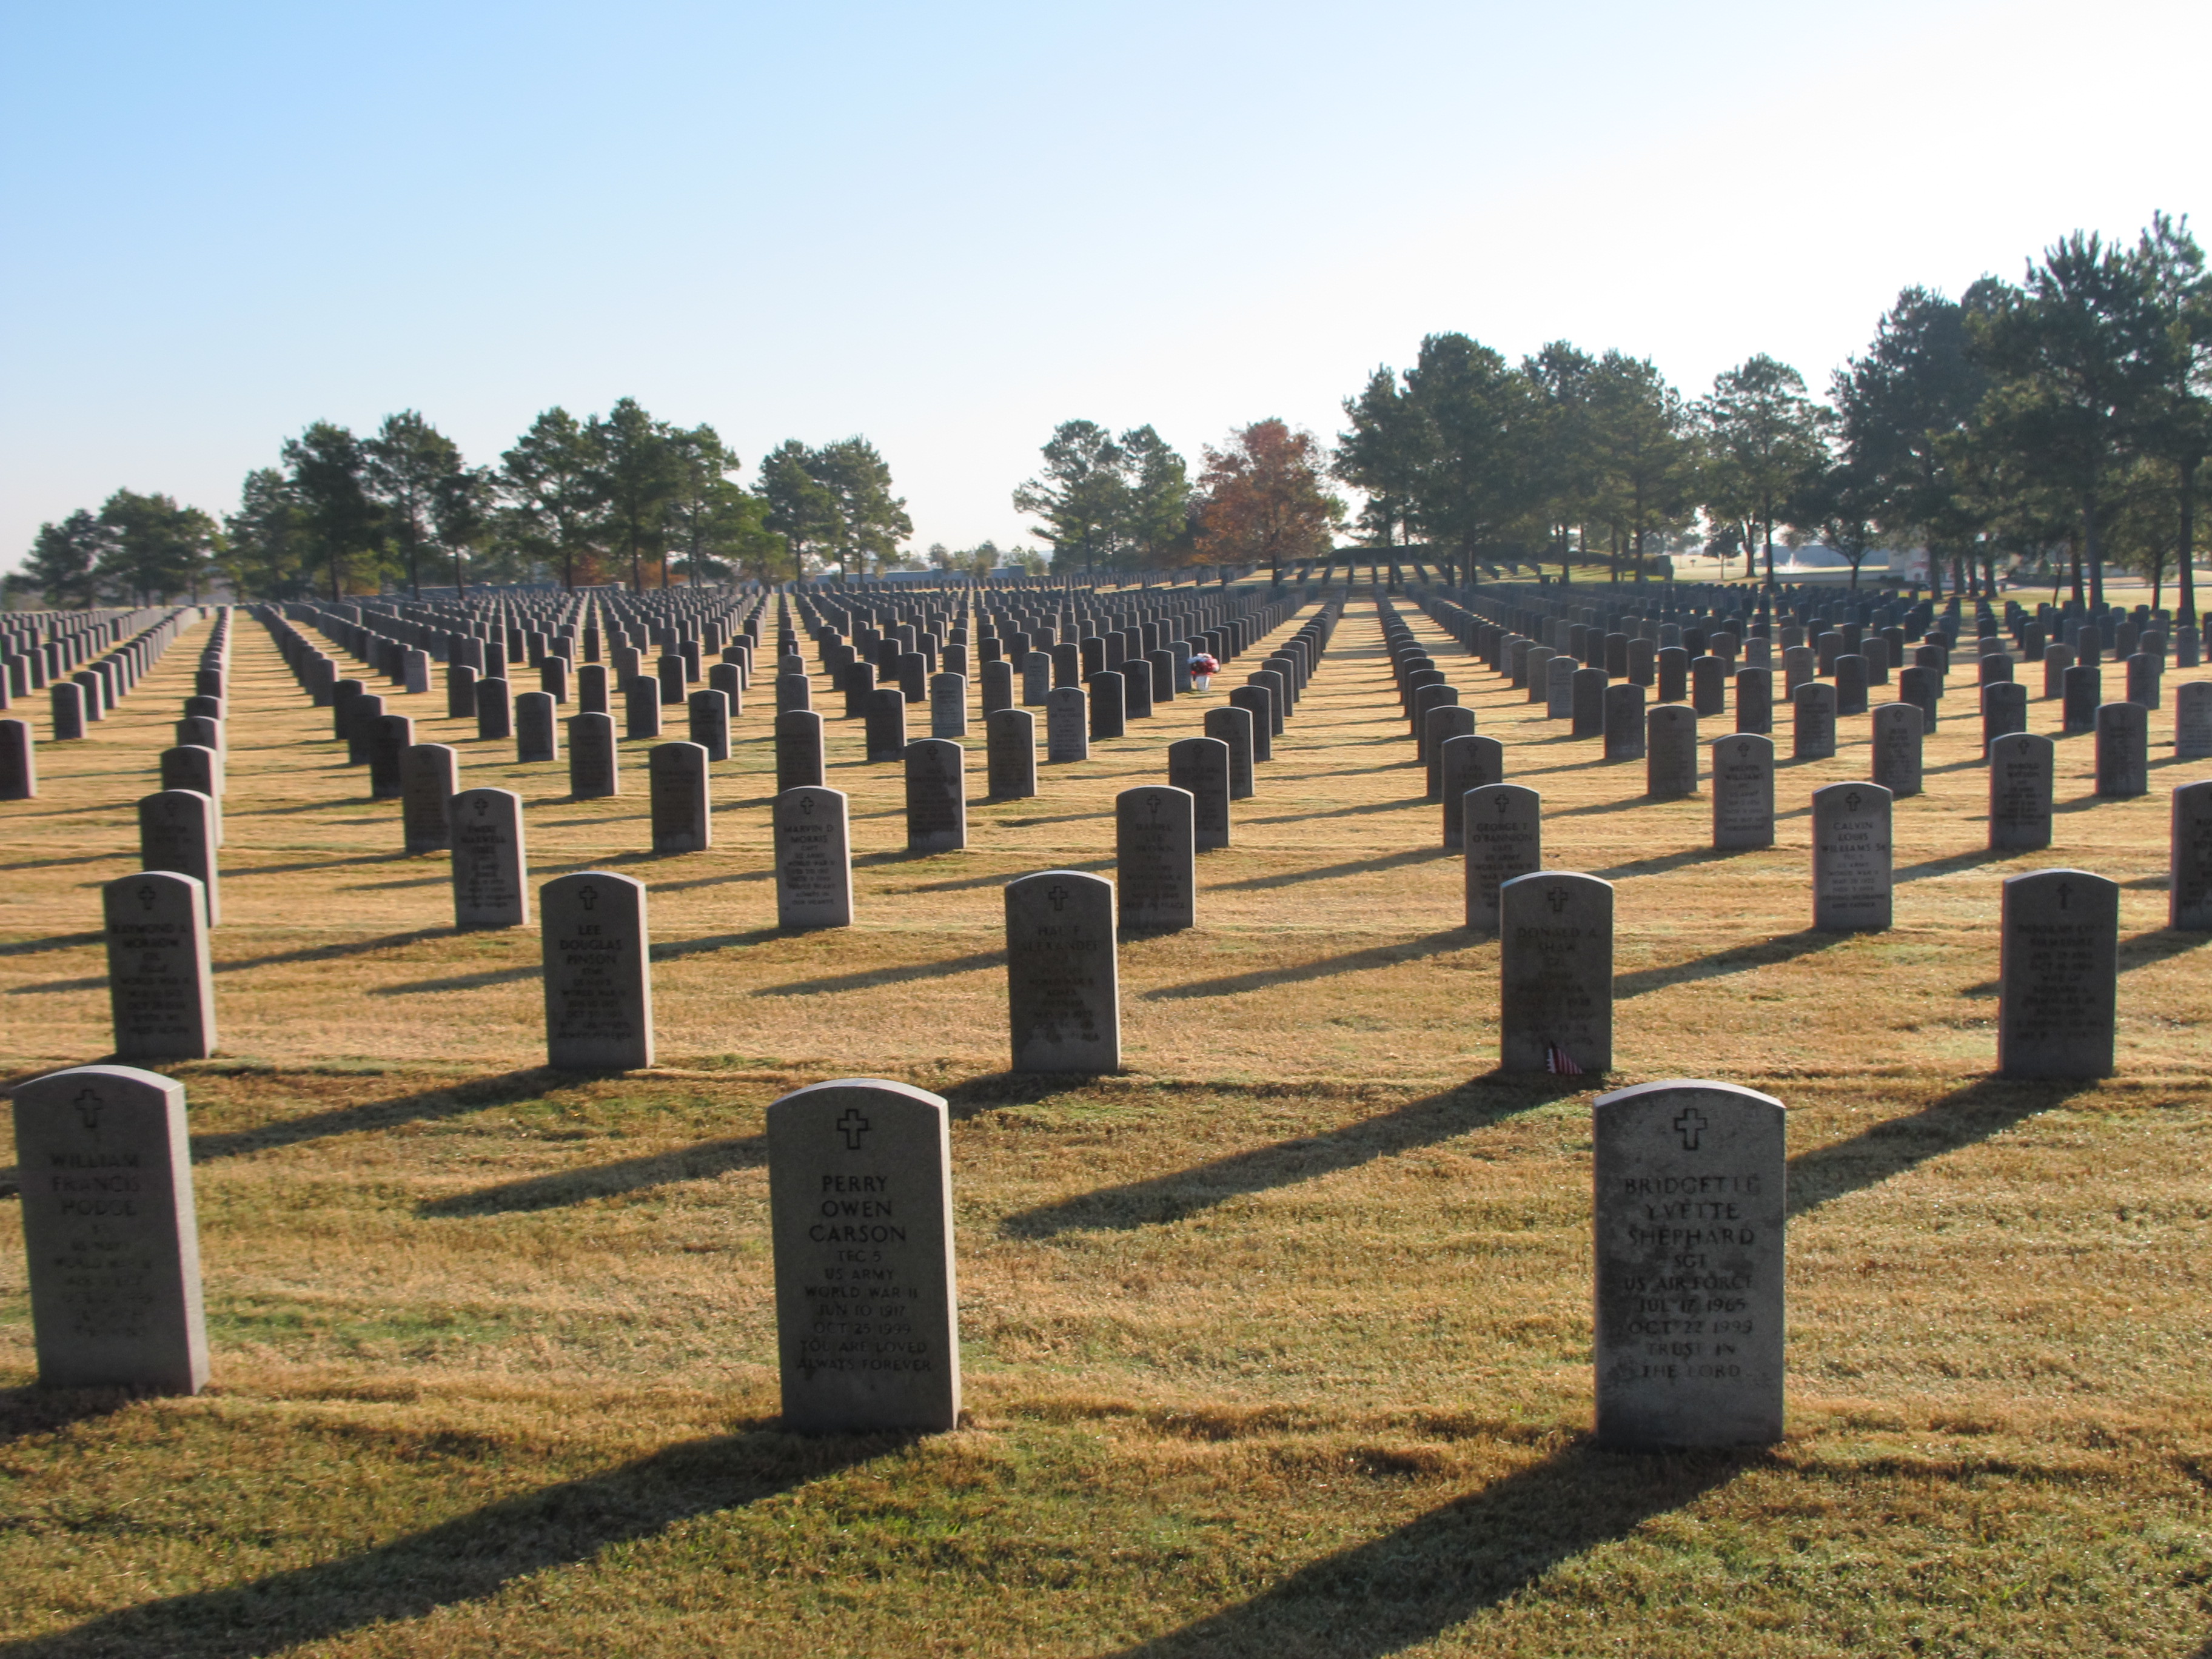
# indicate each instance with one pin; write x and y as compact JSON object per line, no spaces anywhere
{"x":1278,"y":1344}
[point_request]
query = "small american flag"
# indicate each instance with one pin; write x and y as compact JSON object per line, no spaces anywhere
{"x":1556,"y":1059}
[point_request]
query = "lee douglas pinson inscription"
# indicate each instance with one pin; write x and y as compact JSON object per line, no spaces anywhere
{"x":2058,"y":975}
{"x":860,"y":1208}
{"x":1555,"y":971}
{"x":1063,"y":991}
{"x":161,"y":984}
{"x":109,"y":1230}
{"x":1689,"y":1219}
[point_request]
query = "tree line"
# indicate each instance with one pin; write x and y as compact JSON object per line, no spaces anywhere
{"x":620,"y":497}
{"x":2061,"y":421}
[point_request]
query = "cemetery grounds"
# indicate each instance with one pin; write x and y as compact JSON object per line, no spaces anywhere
{"x":1277,"y":1344}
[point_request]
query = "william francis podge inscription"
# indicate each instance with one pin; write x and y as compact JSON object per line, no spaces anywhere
{"x":861,"y":1200}
{"x":109,"y":1232}
{"x":1689,"y":1220}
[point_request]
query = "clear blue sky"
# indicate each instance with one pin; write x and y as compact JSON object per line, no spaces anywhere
{"x":949,"y":228}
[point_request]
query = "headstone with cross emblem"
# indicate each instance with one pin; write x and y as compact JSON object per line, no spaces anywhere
{"x":885,"y":724}
{"x":1555,"y":973}
{"x":177,"y":831}
{"x":1067,"y":724}
{"x":2122,"y":751}
{"x":2189,"y":903}
{"x":813,"y":859}
{"x":594,"y":756}
{"x":948,"y":706}
{"x":1895,"y":758}
{"x":1851,"y":865}
{"x":1200,"y":765}
{"x":1813,"y":730}
{"x":860,"y":1213}
{"x":1063,"y":989}
{"x":2059,"y":975}
{"x":1155,"y":864}
{"x":109,"y":1230}
{"x":1502,"y":836}
{"x":1010,"y":754}
{"x":1743,"y":792}
{"x":2020,"y":764}
{"x":1670,"y":751}
{"x":1470,"y":761}
{"x":2192,"y":720}
{"x":1624,"y":721}
{"x":1688,"y":1224}
{"x":429,"y":775}
{"x":936,"y":796}
{"x":681,"y":808}
{"x":161,"y":986}
{"x":1754,"y":698}
{"x":491,"y":871}
{"x":598,"y":975}
{"x":1233,"y":726}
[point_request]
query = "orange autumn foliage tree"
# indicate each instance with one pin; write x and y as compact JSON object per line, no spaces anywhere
{"x":1263,"y":499}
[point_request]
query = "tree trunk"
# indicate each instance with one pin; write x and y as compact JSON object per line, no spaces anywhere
{"x":2187,"y":574}
{"x":2095,"y":552}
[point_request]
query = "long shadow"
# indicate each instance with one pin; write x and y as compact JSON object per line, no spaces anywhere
{"x":1407,"y":804}
{"x":693,"y":947}
{"x":1928,"y":869}
{"x":81,"y":858}
{"x":2146,"y":949}
{"x":25,"y":1412}
{"x":698,"y":1162}
{"x":1660,"y":865}
{"x":327,"y":952}
{"x":1351,"y":962}
{"x":1986,"y":1106}
{"x":1410,"y":1586}
{"x":467,"y":1558}
{"x":320,"y":864}
{"x":461,"y":982}
{"x":1731,"y":959}
{"x":1424,"y":1122}
{"x":424,"y":1106}
{"x":1329,"y":872}
{"x":967,"y":882}
{"x":30,"y":947}
{"x":1595,"y":808}
{"x":874,"y":976}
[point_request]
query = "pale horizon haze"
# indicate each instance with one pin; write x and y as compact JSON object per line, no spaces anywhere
{"x":948,"y":230}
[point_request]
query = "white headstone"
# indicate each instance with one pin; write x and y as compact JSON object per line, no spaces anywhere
{"x":491,"y":869}
{"x":1851,"y":865}
{"x":866,"y":1306}
{"x":109,"y":1230}
{"x":813,"y":859}
{"x":1502,"y":834}
{"x":1155,"y":865}
{"x":160,"y":984}
{"x":1063,"y":990}
{"x":598,"y":975}
{"x":1689,"y":1224}
{"x":1555,"y":969}
{"x":2058,"y":975}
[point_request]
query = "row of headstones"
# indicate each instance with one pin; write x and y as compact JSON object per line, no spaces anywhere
{"x":1688,"y":1218}
{"x":37,"y":648}
{"x":19,"y":764}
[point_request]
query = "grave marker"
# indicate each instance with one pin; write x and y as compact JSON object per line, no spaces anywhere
{"x":798,"y":745}
{"x":1670,"y":745}
{"x":682,"y":810}
{"x":491,"y":870}
{"x":1743,"y":792}
{"x":2059,"y":966}
{"x":595,"y":757}
{"x":1502,"y":836}
{"x":936,"y":796}
{"x":1555,"y":970}
{"x":1233,"y":726}
{"x":1155,"y":868}
{"x":599,"y":981}
{"x":1689,"y":1215}
{"x":948,"y":706}
{"x":2122,"y":751}
{"x":1851,"y":871}
{"x":1067,"y":724}
{"x":110,"y":1232}
{"x":860,"y":1213}
{"x":1200,"y":767}
{"x":1063,"y":991}
{"x":1897,"y":728}
{"x":19,"y":762}
{"x":2020,"y":767}
{"x":1814,"y":724}
{"x":813,"y":858}
{"x":177,"y":833}
{"x":161,"y":986}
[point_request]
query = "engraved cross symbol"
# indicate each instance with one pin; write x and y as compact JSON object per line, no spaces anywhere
{"x":1505,"y":806}
{"x":89,"y":1106}
{"x":806,"y":804}
{"x":481,"y":804}
{"x":1851,"y":801}
{"x":1058,"y":894}
{"x":2065,"y":894}
{"x":588,"y":898}
{"x":1558,"y":899}
{"x":1690,"y":1125}
{"x":853,"y":1125}
{"x":145,"y":893}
